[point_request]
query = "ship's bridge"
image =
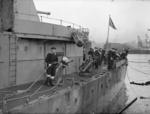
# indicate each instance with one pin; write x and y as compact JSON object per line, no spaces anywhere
{"x":21,"y":17}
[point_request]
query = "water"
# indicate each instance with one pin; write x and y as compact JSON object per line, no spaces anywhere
{"x":135,"y":73}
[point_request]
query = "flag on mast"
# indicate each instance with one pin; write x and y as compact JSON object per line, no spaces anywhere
{"x":111,"y":24}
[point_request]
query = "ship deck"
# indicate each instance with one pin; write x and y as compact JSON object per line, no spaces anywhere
{"x":14,"y":96}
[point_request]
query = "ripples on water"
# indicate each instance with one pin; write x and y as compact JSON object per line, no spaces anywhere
{"x":141,"y":106}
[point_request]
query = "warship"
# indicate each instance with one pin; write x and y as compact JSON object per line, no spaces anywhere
{"x":25,"y":41}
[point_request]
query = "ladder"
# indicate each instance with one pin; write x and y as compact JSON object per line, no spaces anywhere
{"x":12,"y":60}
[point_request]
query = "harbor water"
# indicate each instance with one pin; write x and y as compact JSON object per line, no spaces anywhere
{"x":139,"y":72}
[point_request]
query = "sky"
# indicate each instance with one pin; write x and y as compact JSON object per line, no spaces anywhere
{"x":131,"y":17}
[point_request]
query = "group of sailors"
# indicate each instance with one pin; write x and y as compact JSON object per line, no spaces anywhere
{"x":99,"y":55}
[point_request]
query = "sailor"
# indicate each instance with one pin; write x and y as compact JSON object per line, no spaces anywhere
{"x":96,"y":57}
{"x":126,"y":51}
{"x":100,"y":56}
{"x":103,"y":57}
{"x":84,"y":54}
{"x":51,"y":61}
{"x":115,"y":54}
{"x":110,"y":59}
{"x":91,"y":53}
{"x":124,"y":54}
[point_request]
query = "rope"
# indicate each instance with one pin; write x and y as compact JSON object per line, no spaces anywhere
{"x":35,"y":92}
{"x":139,"y":71}
{"x":58,"y":82}
{"x":30,"y":86}
{"x":22,"y":91}
{"x":38,"y":89}
{"x":38,"y":92}
{"x":34,"y":82}
{"x":28,"y":96}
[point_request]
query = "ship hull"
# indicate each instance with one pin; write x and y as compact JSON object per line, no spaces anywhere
{"x":97,"y":95}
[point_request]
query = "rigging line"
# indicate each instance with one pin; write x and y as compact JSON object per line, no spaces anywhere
{"x":30,"y":86}
{"x":140,"y":71}
{"x":34,"y":82}
{"x":38,"y":92}
{"x":26,"y":96}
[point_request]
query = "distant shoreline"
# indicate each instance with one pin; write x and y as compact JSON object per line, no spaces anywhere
{"x":139,"y":51}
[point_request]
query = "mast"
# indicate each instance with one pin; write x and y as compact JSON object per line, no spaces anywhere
{"x":107,"y":40}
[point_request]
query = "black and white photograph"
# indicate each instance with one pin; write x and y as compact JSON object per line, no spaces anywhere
{"x":74,"y":56}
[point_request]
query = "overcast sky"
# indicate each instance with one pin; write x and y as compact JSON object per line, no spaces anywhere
{"x":130,"y":17}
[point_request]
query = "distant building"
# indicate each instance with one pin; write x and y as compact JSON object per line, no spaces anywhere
{"x":145,"y":43}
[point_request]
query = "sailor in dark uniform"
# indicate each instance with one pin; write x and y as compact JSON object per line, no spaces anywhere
{"x":115,"y":54}
{"x":110,"y":59}
{"x":100,"y":56}
{"x":84,"y":54}
{"x":52,"y":61}
{"x":91,"y":53}
{"x":103,"y":57}
{"x":96,"y":57}
{"x":124,"y":54}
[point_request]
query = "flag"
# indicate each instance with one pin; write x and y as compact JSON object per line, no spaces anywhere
{"x":111,"y":23}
